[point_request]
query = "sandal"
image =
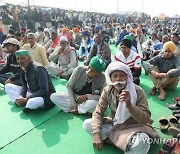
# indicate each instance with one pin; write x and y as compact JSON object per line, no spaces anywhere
{"x":176,"y":99}
{"x":174,"y":131}
{"x":173,"y":122}
{"x":163,"y":124}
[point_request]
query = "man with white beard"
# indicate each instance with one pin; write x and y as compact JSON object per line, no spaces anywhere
{"x":86,"y":44}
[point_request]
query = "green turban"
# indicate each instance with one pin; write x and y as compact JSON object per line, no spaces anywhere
{"x":22,"y":53}
{"x":97,"y":64}
{"x":30,"y":35}
{"x":128,"y":37}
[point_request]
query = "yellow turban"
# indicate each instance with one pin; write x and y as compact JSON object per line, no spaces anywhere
{"x":169,"y":45}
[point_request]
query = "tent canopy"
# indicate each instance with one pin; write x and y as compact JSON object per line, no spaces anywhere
{"x":162,"y":16}
{"x":176,"y":16}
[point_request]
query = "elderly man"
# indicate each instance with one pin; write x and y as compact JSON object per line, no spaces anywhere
{"x":66,"y":57}
{"x":101,"y":49}
{"x":130,"y":58}
{"x":86,"y":44}
{"x":37,"y":51}
{"x":36,"y":84}
{"x":12,"y":45}
{"x":164,"y":70}
{"x":127,"y":125}
{"x":83,"y":88}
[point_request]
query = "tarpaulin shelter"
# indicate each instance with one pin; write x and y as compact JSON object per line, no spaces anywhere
{"x":162,"y":16}
{"x":176,"y":16}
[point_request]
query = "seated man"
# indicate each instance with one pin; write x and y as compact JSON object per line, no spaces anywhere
{"x":101,"y":49}
{"x":66,"y":57}
{"x":83,"y":88}
{"x":164,"y":70}
{"x":36,"y":84}
{"x":127,"y":126}
{"x":37,"y":51}
{"x":10,"y":73}
{"x":130,"y":58}
{"x":85,"y":47}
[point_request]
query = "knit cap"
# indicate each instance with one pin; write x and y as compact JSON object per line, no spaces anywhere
{"x":126,"y":42}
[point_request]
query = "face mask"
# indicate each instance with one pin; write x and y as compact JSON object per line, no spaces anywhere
{"x":119,"y":85}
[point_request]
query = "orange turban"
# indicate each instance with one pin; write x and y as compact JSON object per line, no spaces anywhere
{"x":75,"y":29}
{"x":64,"y":29}
{"x":132,"y":30}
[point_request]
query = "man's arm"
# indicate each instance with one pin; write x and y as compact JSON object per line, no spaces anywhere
{"x":70,"y":85}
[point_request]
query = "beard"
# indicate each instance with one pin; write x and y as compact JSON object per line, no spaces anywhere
{"x":119,"y":85}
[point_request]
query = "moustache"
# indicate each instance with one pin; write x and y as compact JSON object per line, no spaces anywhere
{"x":118,"y":82}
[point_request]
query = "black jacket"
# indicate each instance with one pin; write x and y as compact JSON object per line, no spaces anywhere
{"x":39,"y":83}
{"x":12,"y":66}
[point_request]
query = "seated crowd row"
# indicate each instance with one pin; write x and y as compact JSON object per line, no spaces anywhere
{"x":89,"y":89}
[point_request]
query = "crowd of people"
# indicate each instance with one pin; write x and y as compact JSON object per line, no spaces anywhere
{"x":37,"y":46}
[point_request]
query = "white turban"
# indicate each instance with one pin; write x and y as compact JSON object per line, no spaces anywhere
{"x":63,"y":38}
{"x":122,"y":113}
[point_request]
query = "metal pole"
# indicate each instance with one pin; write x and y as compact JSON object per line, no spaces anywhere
{"x":117,"y":6}
{"x":28,"y":3}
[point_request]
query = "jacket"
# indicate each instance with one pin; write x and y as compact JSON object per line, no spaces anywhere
{"x":140,"y":114}
{"x":39,"y":83}
{"x":77,"y":81}
{"x":105,"y":53}
{"x":12,"y":66}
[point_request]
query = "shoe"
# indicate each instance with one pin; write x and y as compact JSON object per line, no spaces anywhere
{"x":174,"y":131}
{"x":173,"y":121}
{"x":176,"y":99}
{"x":163,"y":124}
{"x":26,"y":110}
{"x":175,"y":112}
{"x":177,"y":115}
{"x":168,"y":146}
{"x":175,"y":106}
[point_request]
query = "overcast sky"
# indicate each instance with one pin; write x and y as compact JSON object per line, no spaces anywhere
{"x":152,"y":7}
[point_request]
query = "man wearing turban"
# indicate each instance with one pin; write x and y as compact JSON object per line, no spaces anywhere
{"x":36,"y":84}
{"x":164,"y":70}
{"x":66,"y":59}
{"x":129,"y":114}
{"x":83,"y":88}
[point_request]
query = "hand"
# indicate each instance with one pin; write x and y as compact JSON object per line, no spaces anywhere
{"x":21,"y":101}
{"x":97,"y":141}
{"x":81,"y":99}
{"x":8,"y":81}
{"x":125,"y":97}
{"x":155,"y":74}
{"x":162,"y":75}
{"x":60,"y":73}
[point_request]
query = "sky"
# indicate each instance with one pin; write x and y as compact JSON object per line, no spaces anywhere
{"x":151,"y":7}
